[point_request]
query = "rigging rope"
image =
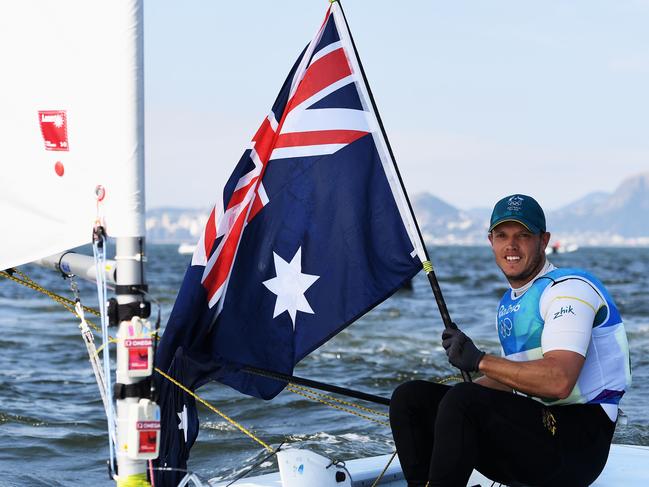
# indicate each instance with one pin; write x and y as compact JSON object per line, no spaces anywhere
{"x":89,"y":340}
{"x":68,"y":304}
{"x":385,"y":469}
{"x":99,"y":244}
{"x":93,"y":354}
{"x":332,"y":405}
{"x":212,"y":408}
{"x":341,"y":401}
{"x":254,"y":466}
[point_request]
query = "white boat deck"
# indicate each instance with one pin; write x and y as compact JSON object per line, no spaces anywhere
{"x":626,"y":466}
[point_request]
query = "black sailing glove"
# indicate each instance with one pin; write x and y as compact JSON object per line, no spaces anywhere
{"x":460,"y":350}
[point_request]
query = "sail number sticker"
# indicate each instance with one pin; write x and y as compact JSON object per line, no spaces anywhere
{"x":54,"y":127}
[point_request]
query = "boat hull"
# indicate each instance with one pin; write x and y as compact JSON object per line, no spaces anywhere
{"x":626,"y":466}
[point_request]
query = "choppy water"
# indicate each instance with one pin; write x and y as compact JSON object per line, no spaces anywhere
{"x":52,"y":428}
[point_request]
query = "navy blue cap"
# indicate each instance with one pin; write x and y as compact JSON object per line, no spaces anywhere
{"x":519,"y":208}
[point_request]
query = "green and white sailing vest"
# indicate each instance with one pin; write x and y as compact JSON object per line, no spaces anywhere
{"x":606,"y":373}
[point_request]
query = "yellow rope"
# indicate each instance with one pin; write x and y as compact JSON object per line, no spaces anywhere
{"x":428,"y":266}
{"x":340,"y":408}
{"x":212,"y":408}
{"x":103,"y":345}
{"x":27,"y":282}
{"x":65,"y":302}
{"x":329,"y":400}
{"x":334,"y":399}
{"x":52,"y":295}
{"x":378,"y":479}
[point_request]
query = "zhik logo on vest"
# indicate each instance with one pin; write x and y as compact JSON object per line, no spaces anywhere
{"x":563,"y":311}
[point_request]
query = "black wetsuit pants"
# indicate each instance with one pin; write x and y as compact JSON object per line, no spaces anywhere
{"x":442,"y":433}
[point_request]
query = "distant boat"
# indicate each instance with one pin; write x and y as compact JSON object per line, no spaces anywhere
{"x":559,"y":248}
{"x":186,"y":248}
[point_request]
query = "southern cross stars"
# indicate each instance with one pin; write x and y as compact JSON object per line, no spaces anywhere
{"x":182,"y":416}
{"x":289,"y":286}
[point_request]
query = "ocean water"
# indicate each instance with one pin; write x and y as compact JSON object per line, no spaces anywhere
{"x":52,"y":425}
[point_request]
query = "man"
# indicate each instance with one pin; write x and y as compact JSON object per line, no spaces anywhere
{"x":542,"y":414}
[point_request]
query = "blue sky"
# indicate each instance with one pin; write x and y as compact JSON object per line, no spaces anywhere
{"x":479,"y":99}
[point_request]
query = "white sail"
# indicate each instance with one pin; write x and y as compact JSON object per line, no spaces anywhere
{"x":72,"y":119}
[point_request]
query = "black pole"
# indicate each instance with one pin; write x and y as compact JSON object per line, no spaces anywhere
{"x":432,"y":279}
{"x":317,"y":385}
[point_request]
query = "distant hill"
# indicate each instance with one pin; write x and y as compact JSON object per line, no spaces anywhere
{"x":599,"y":218}
{"x":443,"y":224}
{"x":621,"y":215}
{"x":584,"y":205}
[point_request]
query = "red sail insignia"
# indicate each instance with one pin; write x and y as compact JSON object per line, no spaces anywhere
{"x":54,"y":127}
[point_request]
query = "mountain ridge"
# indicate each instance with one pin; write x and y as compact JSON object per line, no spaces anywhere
{"x":596,"y":219}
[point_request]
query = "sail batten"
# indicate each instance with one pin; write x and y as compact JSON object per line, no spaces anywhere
{"x":72,"y":120}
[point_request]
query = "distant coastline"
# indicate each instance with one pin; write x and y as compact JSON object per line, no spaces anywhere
{"x":617,"y":219}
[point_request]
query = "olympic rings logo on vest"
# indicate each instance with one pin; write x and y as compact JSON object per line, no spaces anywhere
{"x":506,"y":326}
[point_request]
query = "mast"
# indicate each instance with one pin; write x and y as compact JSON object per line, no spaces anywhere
{"x":137,"y":415}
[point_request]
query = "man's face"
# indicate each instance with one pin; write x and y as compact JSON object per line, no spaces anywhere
{"x":519,"y":253}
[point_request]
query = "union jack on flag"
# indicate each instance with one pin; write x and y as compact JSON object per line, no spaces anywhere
{"x":313,"y":231}
{"x":318,"y":112}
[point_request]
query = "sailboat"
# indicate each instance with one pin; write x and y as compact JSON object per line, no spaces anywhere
{"x":186,"y":248}
{"x":79,"y":194}
{"x":75,"y":78}
{"x":558,"y":247}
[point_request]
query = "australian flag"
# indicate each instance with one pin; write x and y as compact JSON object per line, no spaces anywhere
{"x":313,"y":231}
